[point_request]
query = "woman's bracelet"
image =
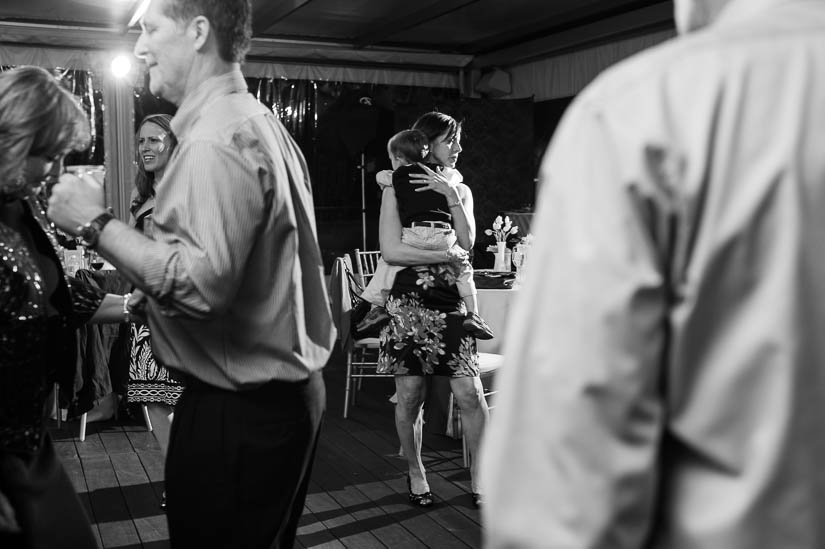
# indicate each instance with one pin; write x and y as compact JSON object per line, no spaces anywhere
{"x":127,"y":316}
{"x":454,"y":204}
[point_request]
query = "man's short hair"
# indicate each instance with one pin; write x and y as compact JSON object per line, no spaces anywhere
{"x":230,"y":20}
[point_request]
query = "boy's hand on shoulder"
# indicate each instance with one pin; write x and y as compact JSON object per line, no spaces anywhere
{"x":453,"y":175}
{"x":384,"y":178}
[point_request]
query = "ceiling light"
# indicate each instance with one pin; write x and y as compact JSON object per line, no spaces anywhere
{"x":121,"y":65}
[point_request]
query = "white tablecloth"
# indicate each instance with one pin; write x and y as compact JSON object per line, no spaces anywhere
{"x":494,"y":306}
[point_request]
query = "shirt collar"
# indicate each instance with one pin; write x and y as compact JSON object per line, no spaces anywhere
{"x":194,"y":103}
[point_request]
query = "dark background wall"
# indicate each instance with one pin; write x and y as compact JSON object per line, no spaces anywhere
{"x":496,"y":163}
{"x":547,"y":115}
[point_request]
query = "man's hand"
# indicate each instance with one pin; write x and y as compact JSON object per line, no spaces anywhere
{"x":75,"y":200}
{"x":137,"y":305}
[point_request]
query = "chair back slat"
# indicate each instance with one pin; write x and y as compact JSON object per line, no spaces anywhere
{"x":366,"y":262}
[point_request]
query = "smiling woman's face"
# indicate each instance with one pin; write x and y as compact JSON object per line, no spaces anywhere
{"x":153,"y":147}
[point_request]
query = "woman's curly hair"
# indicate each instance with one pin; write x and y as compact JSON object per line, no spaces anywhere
{"x":38,"y":117}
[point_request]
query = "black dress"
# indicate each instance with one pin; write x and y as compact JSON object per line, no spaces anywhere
{"x":425,"y":335}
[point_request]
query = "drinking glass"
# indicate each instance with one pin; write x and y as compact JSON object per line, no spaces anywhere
{"x":518,"y":259}
{"x":95,"y":261}
{"x":518,"y":263}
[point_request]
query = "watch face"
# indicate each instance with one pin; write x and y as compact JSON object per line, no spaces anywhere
{"x":88,"y":235}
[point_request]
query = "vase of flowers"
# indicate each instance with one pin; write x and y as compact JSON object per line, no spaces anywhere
{"x":501,"y":257}
{"x":502,"y":228}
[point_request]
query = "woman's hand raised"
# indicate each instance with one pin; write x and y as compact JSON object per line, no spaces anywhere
{"x":433,"y":181}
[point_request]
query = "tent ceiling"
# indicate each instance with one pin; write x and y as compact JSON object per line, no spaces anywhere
{"x":436,"y":33}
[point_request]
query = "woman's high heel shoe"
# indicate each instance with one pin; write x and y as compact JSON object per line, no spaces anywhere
{"x":478,"y":500}
{"x":419,"y":500}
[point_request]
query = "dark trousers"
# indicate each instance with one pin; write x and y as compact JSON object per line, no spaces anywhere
{"x":239,"y":462}
{"x":45,"y":503}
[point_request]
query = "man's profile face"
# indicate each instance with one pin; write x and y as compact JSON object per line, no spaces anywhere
{"x":166,"y":48}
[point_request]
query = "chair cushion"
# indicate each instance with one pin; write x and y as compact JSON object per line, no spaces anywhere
{"x":488,"y":363}
{"x":371,"y":342}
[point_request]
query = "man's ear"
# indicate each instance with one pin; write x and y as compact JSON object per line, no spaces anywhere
{"x":200,"y":30}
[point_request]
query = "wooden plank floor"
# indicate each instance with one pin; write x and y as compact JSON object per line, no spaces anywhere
{"x":357,"y":496}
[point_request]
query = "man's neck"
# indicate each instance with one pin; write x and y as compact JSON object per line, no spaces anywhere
{"x":205,"y":68}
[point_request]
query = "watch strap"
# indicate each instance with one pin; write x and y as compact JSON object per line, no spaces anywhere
{"x":89,"y":233}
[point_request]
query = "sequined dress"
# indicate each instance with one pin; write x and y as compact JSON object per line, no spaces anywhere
{"x":36,"y":348}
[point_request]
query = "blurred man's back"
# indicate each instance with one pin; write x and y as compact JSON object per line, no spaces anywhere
{"x":664,"y":383}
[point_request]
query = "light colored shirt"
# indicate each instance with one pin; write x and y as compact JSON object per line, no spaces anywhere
{"x":238,"y":292}
{"x":664,"y":381}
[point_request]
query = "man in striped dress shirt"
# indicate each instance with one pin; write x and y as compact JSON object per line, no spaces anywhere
{"x":236,"y":300}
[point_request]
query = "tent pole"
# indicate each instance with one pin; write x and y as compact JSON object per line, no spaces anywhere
{"x":363,"y":204}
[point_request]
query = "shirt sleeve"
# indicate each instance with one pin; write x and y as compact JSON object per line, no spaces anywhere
{"x":208,"y":210}
{"x":86,"y":300}
{"x":570,"y":457}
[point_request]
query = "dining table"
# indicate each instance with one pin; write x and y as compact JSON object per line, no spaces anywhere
{"x":494,"y":307}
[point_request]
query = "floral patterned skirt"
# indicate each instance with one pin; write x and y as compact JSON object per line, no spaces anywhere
{"x":149,"y":381}
{"x":425,"y":336}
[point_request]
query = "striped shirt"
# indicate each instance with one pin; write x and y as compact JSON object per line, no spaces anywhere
{"x":238,"y":289}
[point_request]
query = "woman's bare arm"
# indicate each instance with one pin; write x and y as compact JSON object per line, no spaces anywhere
{"x":463,"y":219}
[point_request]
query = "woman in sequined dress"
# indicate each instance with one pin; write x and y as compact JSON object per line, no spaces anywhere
{"x":425,"y":336}
{"x":40,"y":309}
{"x":149,"y":382}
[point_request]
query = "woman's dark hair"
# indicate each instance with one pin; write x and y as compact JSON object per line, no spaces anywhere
{"x":434,"y":124}
{"x":145,"y":181}
{"x":38,"y":117}
{"x":230,"y":20}
{"x":411,"y":145}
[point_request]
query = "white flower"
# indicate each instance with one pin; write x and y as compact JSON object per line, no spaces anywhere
{"x":502,"y":228}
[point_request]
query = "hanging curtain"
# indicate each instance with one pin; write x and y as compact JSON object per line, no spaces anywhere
{"x":295,"y":103}
{"x":82,"y":85}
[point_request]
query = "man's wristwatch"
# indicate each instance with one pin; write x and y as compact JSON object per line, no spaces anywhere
{"x":88,"y":233}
